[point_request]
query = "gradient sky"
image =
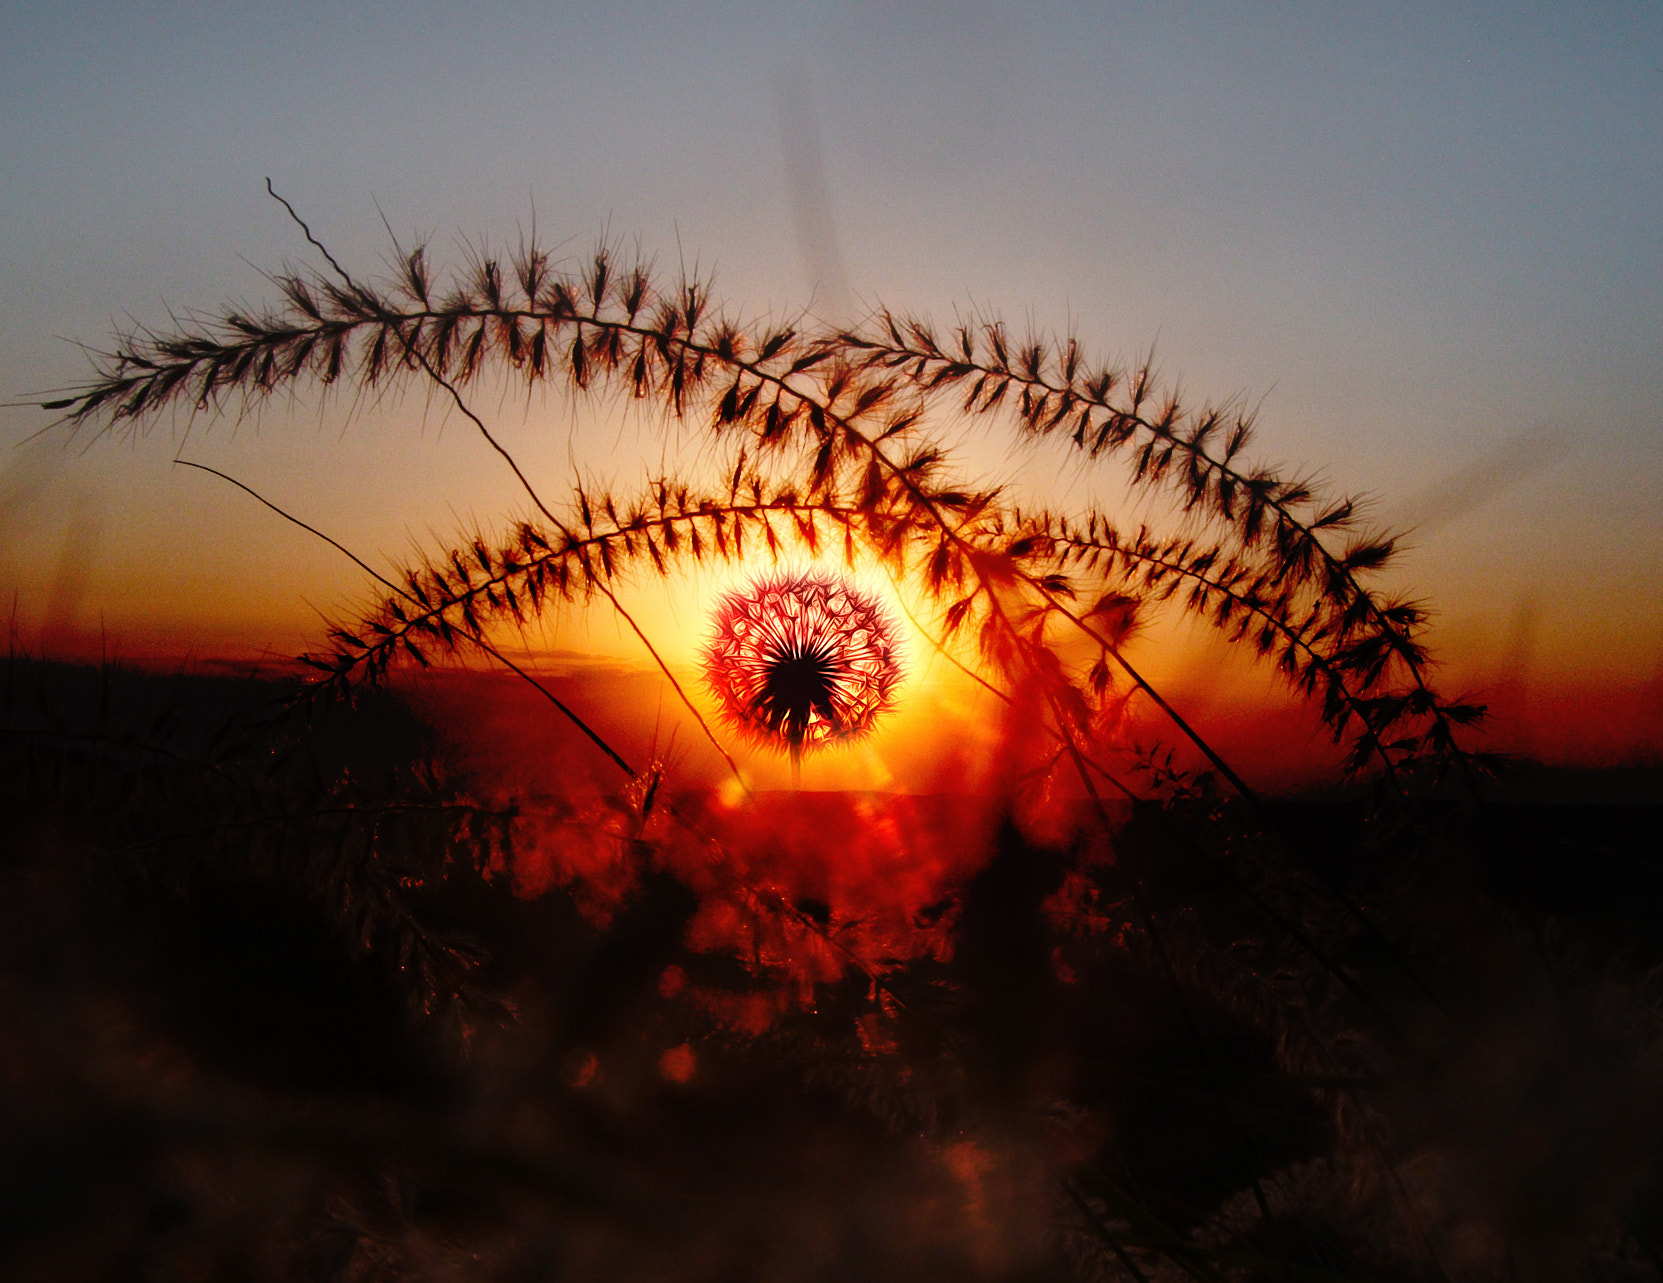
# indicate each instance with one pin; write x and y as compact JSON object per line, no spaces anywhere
{"x":1427,"y":238}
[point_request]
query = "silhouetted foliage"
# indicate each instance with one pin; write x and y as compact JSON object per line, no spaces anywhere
{"x":297,"y":994}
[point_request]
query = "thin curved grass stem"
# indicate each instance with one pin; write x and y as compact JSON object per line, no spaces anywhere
{"x":549,"y":695}
{"x":774,"y":902}
{"x":681,"y":694}
{"x":371,"y":310}
{"x":1083,"y":759}
{"x":1293,"y":635}
{"x":1223,"y":467}
{"x":474,"y":638}
{"x":420,"y":357}
{"x":1274,"y":823}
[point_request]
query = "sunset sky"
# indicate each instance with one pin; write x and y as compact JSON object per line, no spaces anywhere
{"x":1427,"y":240}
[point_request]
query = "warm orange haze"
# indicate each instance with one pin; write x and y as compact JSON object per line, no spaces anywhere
{"x":1558,"y":713}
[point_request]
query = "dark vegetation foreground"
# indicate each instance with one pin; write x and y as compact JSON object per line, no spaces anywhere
{"x":292,"y":998}
{"x":334,"y":995}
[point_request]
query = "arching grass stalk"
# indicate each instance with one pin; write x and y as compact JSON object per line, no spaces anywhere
{"x":832,"y":445}
{"x":843,"y":420}
{"x":843,"y":415}
{"x":770,"y":902}
{"x":1051,"y":389}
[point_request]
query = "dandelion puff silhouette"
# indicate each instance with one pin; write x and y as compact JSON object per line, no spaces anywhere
{"x":801,"y":659}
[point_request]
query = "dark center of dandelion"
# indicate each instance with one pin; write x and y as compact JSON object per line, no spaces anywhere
{"x":797,"y":687}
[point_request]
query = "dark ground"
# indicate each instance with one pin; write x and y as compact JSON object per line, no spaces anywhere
{"x":272,"y":1008}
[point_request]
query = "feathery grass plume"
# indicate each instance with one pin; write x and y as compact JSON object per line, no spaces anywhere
{"x":1294,"y":568}
{"x":832,"y":446}
{"x":845,"y":418}
{"x":845,"y":426}
{"x":842,"y":417}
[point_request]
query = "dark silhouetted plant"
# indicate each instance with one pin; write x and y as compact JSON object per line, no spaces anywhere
{"x":1166,"y":967}
{"x":835,"y":442}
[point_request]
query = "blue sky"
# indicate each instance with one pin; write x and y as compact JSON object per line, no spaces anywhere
{"x":1428,"y":238}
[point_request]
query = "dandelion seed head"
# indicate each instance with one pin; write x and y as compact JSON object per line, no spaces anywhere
{"x":801,"y":659}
